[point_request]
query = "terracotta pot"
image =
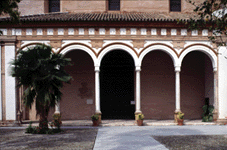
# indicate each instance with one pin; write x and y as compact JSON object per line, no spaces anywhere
{"x":139,"y":122}
{"x":180,"y":122}
{"x":95,"y":122}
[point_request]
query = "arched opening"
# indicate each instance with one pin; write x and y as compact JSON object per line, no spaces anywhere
{"x":157,"y":86}
{"x":196,"y":84}
{"x":117,"y":85}
{"x":78,"y":100}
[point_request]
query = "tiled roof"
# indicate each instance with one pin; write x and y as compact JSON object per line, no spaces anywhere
{"x":138,"y":17}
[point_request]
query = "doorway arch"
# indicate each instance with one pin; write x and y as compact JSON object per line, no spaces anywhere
{"x":117,"y":85}
{"x":78,"y":99}
{"x":158,"y":85}
{"x":196,"y":83}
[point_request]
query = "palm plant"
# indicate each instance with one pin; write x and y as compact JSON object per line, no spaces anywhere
{"x":42,"y":74}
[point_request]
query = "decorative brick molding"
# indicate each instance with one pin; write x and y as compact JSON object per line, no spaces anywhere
{"x":138,"y":43}
{"x":97,"y":43}
{"x":178,"y":44}
{"x":56,"y":44}
{"x":18,"y":44}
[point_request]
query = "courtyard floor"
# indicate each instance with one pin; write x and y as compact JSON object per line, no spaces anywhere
{"x":190,"y":137}
{"x":127,"y":123}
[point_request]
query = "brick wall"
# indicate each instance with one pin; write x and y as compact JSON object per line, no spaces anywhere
{"x":74,"y":100}
{"x":193,"y":85}
{"x":157,"y":86}
{"x":27,"y":7}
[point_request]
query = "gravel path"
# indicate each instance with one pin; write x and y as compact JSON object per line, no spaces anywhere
{"x":193,"y":142}
{"x":79,"y":139}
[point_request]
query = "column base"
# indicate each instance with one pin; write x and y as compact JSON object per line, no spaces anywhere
{"x":16,"y":123}
{"x":136,"y":114}
{"x":100,"y":116}
{"x":221,"y":121}
{"x":57,"y":112}
{"x":215,"y":116}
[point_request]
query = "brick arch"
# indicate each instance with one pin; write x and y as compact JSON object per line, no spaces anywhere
{"x":117,"y":46}
{"x":79,"y":46}
{"x":30,"y":44}
{"x":159,"y":46}
{"x":210,"y":52}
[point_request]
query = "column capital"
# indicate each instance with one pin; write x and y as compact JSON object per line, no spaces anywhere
{"x":215,"y":69}
{"x":138,"y":68}
{"x":97,"y":68}
{"x":177,"y":68}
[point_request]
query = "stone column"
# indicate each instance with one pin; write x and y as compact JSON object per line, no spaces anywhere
{"x":138,"y":103}
{"x":215,"y":112}
{"x":57,"y":105}
{"x":177,"y":91}
{"x":0,"y":84}
{"x":97,"y":93}
{"x":57,"y":108}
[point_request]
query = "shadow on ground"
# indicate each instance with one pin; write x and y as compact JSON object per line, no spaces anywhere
{"x":68,"y":139}
{"x":193,"y":142}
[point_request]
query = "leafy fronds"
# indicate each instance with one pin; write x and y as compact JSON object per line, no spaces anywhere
{"x":42,"y":72}
{"x":10,"y":7}
{"x":211,"y":15}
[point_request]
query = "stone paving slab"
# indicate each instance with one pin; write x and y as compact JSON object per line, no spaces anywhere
{"x":107,"y":123}
{"x":135,"y":137}
{"x":125,"y":138}
{"x":118,"y":137}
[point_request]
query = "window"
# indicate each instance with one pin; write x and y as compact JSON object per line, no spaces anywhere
{"x":54,"y":5}
{"x":175,"y":5}
{"x":114,"y":4}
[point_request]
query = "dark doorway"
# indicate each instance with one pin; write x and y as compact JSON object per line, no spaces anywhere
{"x":117,"y":86}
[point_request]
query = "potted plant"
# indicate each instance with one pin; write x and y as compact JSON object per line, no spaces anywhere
{"x":95,"y":119}
{"x":57,"y":121}
{"x":180,"y":118}
{"x":207,"y":111}
{"x":140,"y":119}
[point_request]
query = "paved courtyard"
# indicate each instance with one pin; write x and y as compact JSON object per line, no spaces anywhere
{"x":78,"y":139}
{"x":212,"y":137}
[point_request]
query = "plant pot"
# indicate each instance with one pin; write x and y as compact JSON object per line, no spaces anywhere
{"x":139,"y":122}
{"x":180,"y":122}
{"x":95,"y":122}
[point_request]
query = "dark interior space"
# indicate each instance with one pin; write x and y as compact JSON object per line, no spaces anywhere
{"x":117,"y":85}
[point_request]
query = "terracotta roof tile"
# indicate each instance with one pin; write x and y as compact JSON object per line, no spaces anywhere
{"x":105,"y":17}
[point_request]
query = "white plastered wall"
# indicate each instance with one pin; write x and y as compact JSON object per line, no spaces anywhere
{"x":222,"y":82}
{"x":10,"y":84}
{"x":0,"y":86}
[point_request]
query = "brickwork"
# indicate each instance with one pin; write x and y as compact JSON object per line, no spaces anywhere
{"x":157,"y":86}
{"x":193,"y":85}
{"x":157,"y":76}
{"x":76,"y":95}
{"x":28,"y":7}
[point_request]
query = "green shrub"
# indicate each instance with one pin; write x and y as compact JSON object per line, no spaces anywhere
{"x":39,"y":130}
{"x":29,"y":129}
{"x":207,"y":111}
{"x":180,"y":115}
{"x":140,"y":116}
{"x":57,"y":121}
{"x":95,"y":117}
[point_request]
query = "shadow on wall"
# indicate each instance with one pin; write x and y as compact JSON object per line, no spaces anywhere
{"x":84,"y":91}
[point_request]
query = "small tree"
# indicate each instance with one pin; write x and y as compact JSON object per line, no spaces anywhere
{"x":42,"y":74}
{"x":211,"y":14}
{"x":10,"y":7}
